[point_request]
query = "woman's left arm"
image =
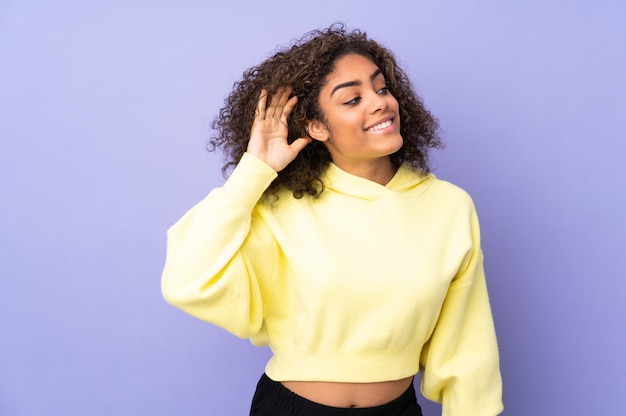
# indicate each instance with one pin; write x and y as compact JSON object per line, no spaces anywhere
{"x":460,"y":361}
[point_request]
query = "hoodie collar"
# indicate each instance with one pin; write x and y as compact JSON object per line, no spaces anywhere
{"x":405,"y":178}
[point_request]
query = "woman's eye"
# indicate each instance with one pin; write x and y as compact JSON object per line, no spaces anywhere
{"x":353,"y":101}
{"x":384,"y":90}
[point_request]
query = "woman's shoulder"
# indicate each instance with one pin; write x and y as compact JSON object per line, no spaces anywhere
{"x":449,"y":190}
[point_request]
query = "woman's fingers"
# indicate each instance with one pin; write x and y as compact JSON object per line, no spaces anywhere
{"x":300,"y":144}
{"x":268,"y":136}
{"x":277,"y":103}
{"x":260,"y":108}
{"x":289,"y":105}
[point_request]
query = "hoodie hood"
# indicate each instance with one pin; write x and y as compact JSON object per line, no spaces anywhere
{"x":407,"y":178}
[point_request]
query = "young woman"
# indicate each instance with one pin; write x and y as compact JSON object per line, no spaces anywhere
{"x":333,"y":244}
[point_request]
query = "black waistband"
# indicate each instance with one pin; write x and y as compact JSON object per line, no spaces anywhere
{"x":285,"y":399}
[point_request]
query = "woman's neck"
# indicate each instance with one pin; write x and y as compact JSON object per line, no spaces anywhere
{"x":377,"y":170}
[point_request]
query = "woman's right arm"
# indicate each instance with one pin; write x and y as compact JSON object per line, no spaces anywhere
{"x":213,"y":264}
{"x":208,"y":272}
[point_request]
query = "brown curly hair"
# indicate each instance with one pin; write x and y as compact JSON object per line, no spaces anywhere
{"x":305,"y":67}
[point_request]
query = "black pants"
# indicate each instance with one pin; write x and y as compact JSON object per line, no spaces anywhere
{"x":273,"y":399}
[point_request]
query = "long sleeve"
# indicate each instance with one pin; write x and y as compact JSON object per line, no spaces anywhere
{"x":214,"y":263}
{"x":460,"y":361}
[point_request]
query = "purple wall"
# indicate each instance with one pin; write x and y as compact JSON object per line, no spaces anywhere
{"x":104,"y":112}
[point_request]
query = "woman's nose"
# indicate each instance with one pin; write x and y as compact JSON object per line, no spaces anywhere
{"x":379,"y":103}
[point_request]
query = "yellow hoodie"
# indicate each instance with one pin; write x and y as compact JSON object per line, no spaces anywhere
{"x":367,"y":283}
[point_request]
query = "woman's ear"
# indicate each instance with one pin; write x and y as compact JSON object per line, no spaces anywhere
{"x":317,"y":130}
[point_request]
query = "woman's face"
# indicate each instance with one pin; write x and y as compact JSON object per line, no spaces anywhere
{"x":362,"y":117}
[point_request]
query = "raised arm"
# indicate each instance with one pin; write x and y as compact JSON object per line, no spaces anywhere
{"x":218,"y":259}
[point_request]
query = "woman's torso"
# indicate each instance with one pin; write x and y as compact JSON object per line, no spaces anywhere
{"x":349,"y":394}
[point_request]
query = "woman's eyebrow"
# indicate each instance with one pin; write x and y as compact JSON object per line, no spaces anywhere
{"x":355,"y":83}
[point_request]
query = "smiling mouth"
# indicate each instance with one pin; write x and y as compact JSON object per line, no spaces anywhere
{"x":380,"y":126}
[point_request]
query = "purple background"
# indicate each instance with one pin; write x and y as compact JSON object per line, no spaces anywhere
{"x":104,"y":112}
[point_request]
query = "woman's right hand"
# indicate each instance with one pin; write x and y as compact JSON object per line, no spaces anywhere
{"x":268,"y":137}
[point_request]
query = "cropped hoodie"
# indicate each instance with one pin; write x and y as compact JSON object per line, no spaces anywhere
{"x":366,"y":283}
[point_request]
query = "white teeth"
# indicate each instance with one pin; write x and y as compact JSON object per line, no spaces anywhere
{"x":380,"y":126}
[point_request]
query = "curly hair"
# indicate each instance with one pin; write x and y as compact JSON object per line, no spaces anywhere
{"x":305,"y":66}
